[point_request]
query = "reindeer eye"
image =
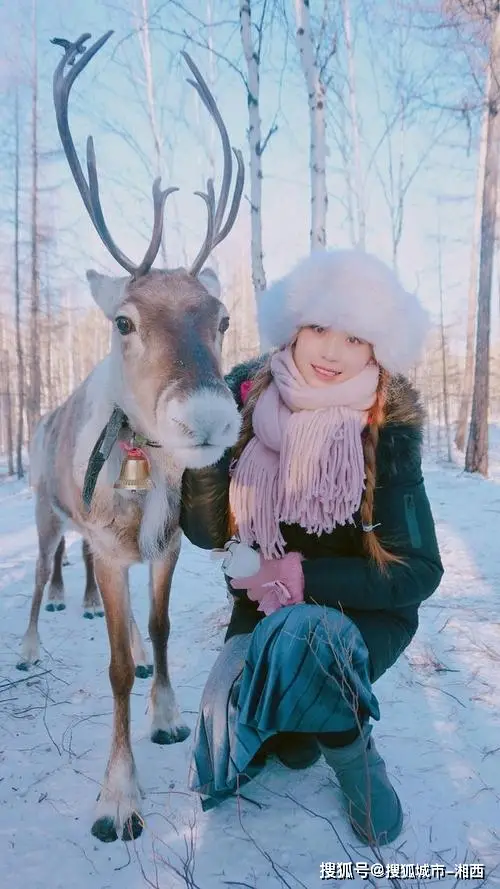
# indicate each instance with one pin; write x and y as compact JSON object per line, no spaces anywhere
{"x":224,"y":324}
{"x":124,"y":325}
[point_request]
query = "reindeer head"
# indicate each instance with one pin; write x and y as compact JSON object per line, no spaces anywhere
{"x":168,"y":326}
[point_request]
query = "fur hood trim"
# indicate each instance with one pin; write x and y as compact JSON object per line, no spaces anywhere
{"x":349,"y":290}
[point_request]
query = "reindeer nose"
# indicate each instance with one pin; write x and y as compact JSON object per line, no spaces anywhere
{"x":199,"y":440}
{"x":203,"y":437}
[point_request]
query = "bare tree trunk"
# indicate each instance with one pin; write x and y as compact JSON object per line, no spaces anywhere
{"x":7,"y":403}
{"x":252,"y":57}
{"x":316,"y":97}
{"x":17,"y":297}
{"x":468,"y":379}
{"x":35,"y":383}
{"x":444,"y":362}
{"x":476,"y":457}
{"x":69,"y":382}
{"x":49,"y":353}
{"x":355,"y":167}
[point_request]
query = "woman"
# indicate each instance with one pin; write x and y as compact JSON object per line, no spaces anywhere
{"x":325,"y":487}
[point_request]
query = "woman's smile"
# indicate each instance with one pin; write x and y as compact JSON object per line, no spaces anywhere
{"x":326,"y":373}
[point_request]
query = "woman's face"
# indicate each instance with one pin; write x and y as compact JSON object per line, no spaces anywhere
{"x":325,"y":356}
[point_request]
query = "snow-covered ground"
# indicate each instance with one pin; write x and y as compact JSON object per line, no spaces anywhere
{"x":439,"y":731}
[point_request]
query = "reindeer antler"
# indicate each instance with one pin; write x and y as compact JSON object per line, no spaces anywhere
{"x":90,"y":190}
{"x":215,"y":234}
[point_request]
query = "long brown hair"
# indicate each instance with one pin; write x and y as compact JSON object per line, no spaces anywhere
{"x":371,"y":544}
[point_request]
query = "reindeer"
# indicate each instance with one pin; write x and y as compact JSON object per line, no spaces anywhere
{"x":162,"y":381}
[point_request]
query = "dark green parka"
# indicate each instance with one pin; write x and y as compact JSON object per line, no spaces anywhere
{"x":337,"y":573}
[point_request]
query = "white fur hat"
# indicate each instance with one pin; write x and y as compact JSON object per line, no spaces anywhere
{"x":352,"y":291}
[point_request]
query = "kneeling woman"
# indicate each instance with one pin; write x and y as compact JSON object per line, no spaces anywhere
{"x":325,"y":486}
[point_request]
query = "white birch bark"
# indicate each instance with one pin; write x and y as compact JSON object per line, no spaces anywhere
{"x":444,"y":351}
{"x":252,"y":59}
{"x":316,"y":97}
{"x":34,"y":363}
{"x":20,"y":363}
{"x":476,"y":457}
{"x":355,"y":173}
{"x":468,"y":378}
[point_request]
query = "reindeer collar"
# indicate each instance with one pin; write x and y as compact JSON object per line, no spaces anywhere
{"x":102,"y":450}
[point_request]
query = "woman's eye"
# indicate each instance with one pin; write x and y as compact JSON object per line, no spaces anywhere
{"x":224,"y":324}
{"x":318,"y":329}
{"x":124,"y":325}
{"x":354,"y":339}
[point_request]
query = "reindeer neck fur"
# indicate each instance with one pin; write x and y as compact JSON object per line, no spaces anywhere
{"x":148,"y":516}
{"x":121,"y":525}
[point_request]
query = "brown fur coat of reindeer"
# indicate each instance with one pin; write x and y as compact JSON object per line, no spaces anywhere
{"x":164,"y":375}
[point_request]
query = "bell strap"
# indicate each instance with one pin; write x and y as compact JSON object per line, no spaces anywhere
{"x":102,"y":450}
{"x":100,"y":453}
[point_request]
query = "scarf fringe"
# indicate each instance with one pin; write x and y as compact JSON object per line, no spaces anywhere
{"x":253,"y":498}
{"x":320,"y":493}
{"x":302,"y":467}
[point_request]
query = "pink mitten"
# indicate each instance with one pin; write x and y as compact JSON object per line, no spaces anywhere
{"x":279,"y":582}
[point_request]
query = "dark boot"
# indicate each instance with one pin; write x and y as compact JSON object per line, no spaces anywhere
{"x":372,"y":803}
{"x":297,"y":750}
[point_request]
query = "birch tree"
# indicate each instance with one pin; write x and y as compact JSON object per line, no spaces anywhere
{"x":254,"y":22}
{"x":316,"y":99}
{"x":252,"y":48}
{"x":352,"y":158}
{"x":17,"y":291}
{"x":444,"y":356}
{"x":468,"y":377}
{"x":35,"y":368}
{"x":476,"y":457}
{"x":6,"y":406}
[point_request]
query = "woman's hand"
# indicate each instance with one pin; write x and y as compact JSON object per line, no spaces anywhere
{"x":278,"y":582}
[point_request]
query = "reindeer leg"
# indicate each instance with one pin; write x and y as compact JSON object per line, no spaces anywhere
{"x":49,"y":527}
{"x":92,"y":603}
{"x":167,"y":724}
{"x":142,"y":668}
{"x":65,"y":560}
{"x":118,"y":808}
{"x":55,"y":595}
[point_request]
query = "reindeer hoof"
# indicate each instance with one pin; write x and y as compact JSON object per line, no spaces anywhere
{"x":144,"y":671}
{"x":160,"y":736}
{"x":90,"y":613}
{"x":132,"y":827}
{"x":23,"y":665}
{"x":104,"y":829}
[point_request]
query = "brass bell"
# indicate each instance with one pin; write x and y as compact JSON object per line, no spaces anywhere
{"x":134,"y":472}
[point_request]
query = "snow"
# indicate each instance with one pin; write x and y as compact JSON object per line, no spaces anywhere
{"x":439,"y":730}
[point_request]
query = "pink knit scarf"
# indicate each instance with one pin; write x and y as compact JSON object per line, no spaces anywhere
{"x":305,"y":463}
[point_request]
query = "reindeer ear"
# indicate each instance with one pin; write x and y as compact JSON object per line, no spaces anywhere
{"x":107,"y":292}
{"x":210,"y":281}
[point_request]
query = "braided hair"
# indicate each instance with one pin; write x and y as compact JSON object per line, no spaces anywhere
{"x":371,"y":544}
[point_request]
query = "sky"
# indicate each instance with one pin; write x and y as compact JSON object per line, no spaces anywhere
{"x":108,"y":101}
